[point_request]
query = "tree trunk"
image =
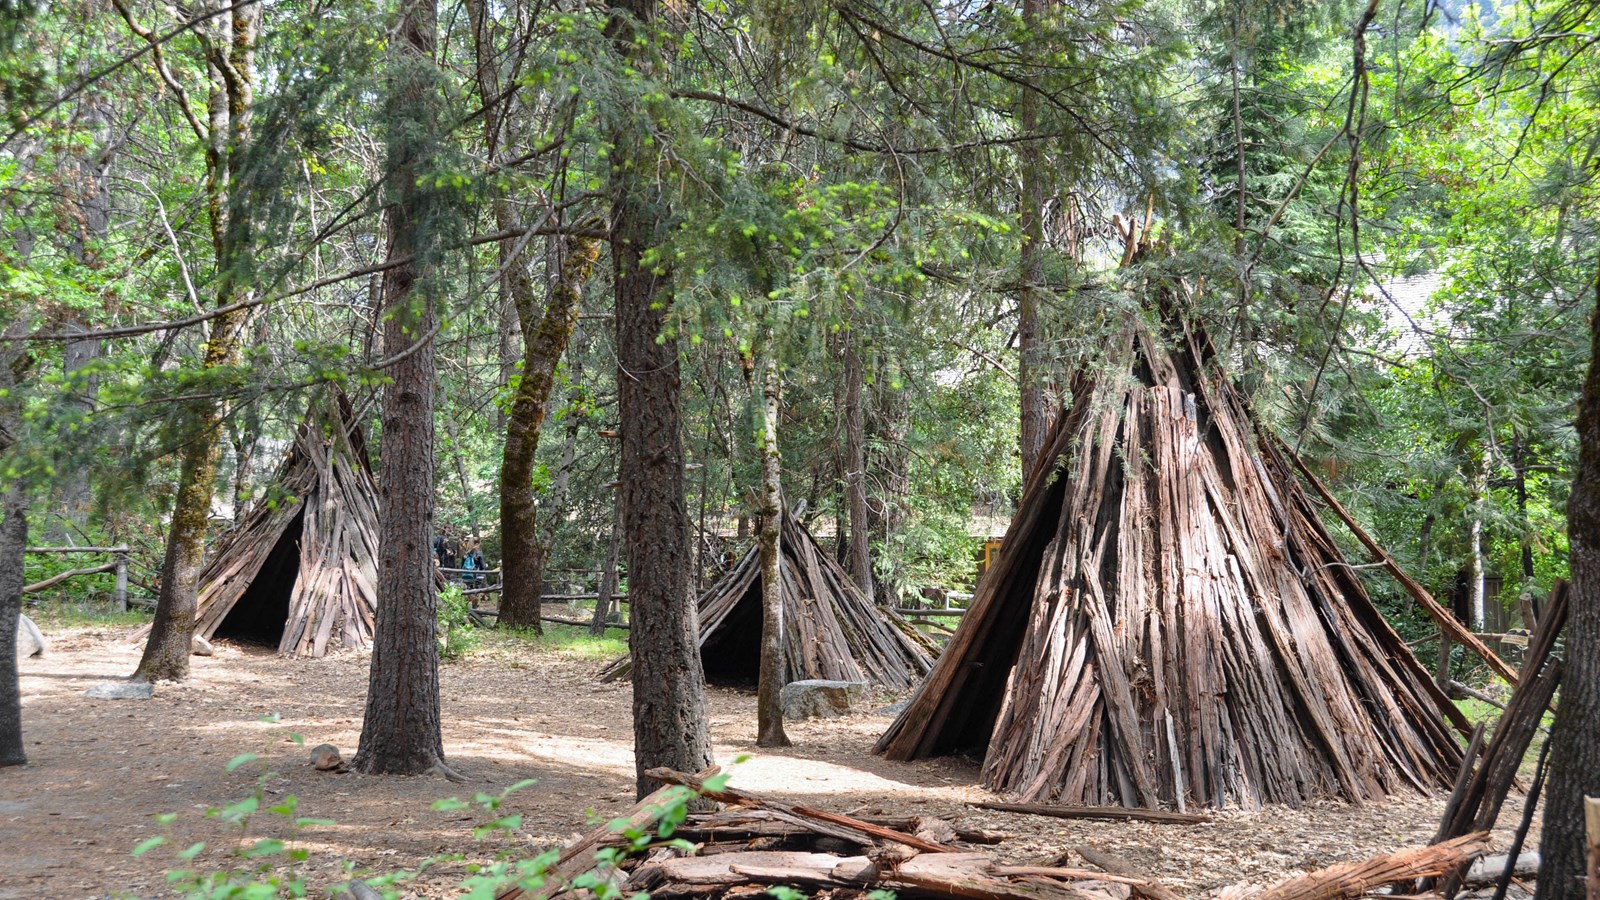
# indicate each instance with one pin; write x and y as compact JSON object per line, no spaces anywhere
{"x":1031,"y":367}
{"x":669,"y":715}
{"x":608,"y":574}
{"x":889,"y":513}
{"x":773,"y":674}
{"x":166,"y":653}
{"x":855,"y":453}
{"x":13,"y":538}
{"x":544,"y":340}
{"x":400,"y":732}
{"x":1575,"y":741}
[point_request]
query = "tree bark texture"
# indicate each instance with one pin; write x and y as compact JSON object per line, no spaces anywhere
{"x":230,"y":61}
{"x":669,"y":717}
{"x":773,"y":672}
{"x":608,"y":574}
{"x":544,"y":341}
{"x":13,"y":538}
{"x":855,"y":463}
{"x":1575,"y":739}
{"x":400,"y":734}
{"x":14,"y":368}
{"x":1035,"y":401}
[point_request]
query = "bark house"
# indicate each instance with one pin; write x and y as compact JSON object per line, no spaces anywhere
{"x":830,"y":630}
{"x":300,"y":571}
{"x":1170,"y":624}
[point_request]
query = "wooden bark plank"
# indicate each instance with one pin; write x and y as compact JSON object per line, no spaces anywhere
{"x":1146,"y":887}
{"x":1109,"y":813}
{"x":1352,"y":879}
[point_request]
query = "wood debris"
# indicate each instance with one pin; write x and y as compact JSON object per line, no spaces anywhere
{"x":758,"y":842}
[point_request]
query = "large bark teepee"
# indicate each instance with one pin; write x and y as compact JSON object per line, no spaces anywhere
{"x":1170,"y":624}
{"x":300,"y":569}
{"x":831,"y":630}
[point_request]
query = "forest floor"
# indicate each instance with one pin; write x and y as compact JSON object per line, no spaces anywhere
{"x":101,"y":771}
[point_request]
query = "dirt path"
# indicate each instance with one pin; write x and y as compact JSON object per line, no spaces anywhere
{"x":102,"y":770}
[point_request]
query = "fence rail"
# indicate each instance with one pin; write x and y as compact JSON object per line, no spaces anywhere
{"x":118,"y":564}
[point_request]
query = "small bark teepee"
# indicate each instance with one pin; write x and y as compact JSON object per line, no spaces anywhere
{"x":831,"y":630}
{"x":1169,"y":622}
{"x":301,"y":570}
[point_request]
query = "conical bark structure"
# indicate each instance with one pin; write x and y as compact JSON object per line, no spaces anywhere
{"x":300,"y":569}
{"x":1170,"y":624}
{"x":831,"y":631}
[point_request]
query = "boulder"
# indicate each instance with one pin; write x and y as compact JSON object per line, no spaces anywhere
{"x":326,"y":758}
{"x":122,"y":690}
{"x":201,"y":647}
{"x":30,"y":640}
{"x":818,"y":698}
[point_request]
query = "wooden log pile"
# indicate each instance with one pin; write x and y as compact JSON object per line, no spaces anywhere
{"x":1170,"y":625}
{"x":831,"y":630}
{"x":756,"y":843}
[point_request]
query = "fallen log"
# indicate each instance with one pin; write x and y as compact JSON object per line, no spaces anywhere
{"x":818,"y":820}
{"x":1353,"y":879}
{"x":1110,"y":813}
{"x":1149,"y":887}
{"x":59,"y":577}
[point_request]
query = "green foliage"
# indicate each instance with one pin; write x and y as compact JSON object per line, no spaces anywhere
{"x":457,"y":633}
{"x":267,"y":868}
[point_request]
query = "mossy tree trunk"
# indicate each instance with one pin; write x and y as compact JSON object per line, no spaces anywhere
{"x":545,"y":339}
{"x":229,"y":45}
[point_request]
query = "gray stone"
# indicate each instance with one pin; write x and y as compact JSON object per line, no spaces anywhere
{"x":201,"y":647}
{"x":30,"y":640}
{"x":819,"y":699}
{"x":122,"y":690}
{"x":895,"y":709}
{"x":326,"y":758}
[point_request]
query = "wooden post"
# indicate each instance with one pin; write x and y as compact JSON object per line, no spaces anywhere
{"x":121,"y":595}
{"x":1591,"y":820}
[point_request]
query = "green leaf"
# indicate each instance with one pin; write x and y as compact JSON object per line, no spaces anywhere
{"x":240,"y":760}
{"x":148,"y":844}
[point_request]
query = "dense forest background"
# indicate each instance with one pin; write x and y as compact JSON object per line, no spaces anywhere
{"x":914,"y":213}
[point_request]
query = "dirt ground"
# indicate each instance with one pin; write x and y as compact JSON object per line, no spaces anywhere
{"x":101,"y":770}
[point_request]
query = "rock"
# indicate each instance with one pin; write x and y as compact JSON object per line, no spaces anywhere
{"x":819,"y":699}
{"x":202,"y":647}
{"x":122,"y":690}
{"x":895,"y":709}
{"x":30,"y":640}
{"x":1488,"y":868}
{"x":326,"y":758}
